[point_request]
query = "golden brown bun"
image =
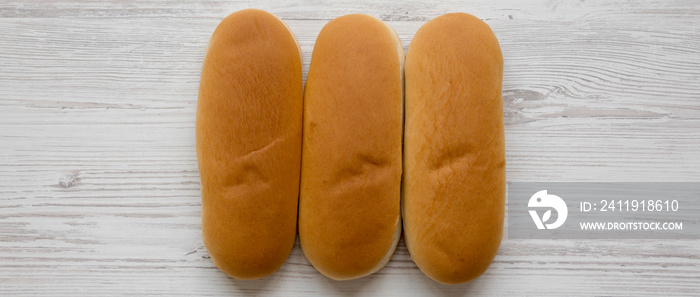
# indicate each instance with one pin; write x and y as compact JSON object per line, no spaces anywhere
{"x":349,"y":218}
{"x":249,"y":143}
{"x":454,"y":151}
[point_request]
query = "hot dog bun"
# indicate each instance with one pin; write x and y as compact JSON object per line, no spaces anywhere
{"x":349,"y":217}
{"x":454,"y":149}
{"x":248,"y":128}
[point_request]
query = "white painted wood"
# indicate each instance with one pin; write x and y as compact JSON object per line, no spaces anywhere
{"x":99,"y":190}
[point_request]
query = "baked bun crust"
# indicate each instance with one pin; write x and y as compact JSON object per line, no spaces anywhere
{"x":454,"y":148}
{"x":349,"y":212}
{"x":249,"y":117}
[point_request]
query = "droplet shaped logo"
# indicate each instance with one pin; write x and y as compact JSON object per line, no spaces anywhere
{"x":541,"y":200}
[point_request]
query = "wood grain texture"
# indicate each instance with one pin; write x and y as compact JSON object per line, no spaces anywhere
{"x":99,"y":189}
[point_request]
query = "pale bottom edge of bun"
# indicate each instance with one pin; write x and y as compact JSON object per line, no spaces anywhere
{"x":249,"y":276}
{"x":384,"y":260}
{"x":291,"y":33}
{"x":387,"y":257}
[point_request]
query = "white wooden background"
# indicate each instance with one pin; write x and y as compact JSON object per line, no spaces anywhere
{"x":99,"y":190}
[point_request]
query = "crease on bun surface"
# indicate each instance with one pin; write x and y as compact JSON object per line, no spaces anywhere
{"x":454,"y":148}
{"x":349,"y":211}
{"x":248,"y":135}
